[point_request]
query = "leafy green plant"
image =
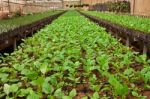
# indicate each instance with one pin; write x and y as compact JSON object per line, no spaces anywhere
{"x":142,"y":59}
{"x":72,"y":94}
{"x":58,"y":93}
{"x":95,"y":96}
{"x":68,"y":57}
{"x":10,"y":24}
{"x":136,"y":23}
{"x":145,"y":72}
{"x":119,"y":88}
{"x":103,"y":61}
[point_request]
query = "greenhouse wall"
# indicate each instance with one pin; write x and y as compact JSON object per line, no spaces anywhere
{"x":24,"y":7}
{"x":65,"y":3}
{"x":92,"y":2}
{"x":11,"y":6}
{"x":41,"y":7}
{"x":140,"y":7}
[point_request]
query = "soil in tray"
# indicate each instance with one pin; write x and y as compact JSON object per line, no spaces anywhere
{"x":146,"y":93}
{"x":80,"y":96}
{"x":137,"y":66}
{"x":83,"y":91}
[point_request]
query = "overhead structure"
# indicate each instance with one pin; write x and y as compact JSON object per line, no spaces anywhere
{"x":29,"y":6}
{"x":138,"y":7}
{"x":67,"y":3}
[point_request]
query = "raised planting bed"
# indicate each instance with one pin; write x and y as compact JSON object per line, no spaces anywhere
{"x":12,"y":23}
{"x":129,"y":21}
{"x":11,"y":37}
{"x":138,"y":39}
{"x":73,"y":58}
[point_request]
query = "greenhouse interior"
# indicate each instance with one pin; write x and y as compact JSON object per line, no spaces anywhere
{"x":74,"y":49}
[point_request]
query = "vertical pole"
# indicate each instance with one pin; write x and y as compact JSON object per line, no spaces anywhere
{"x":116,"y":35}
{"x":9,"y":6}
{"x":25,"y":35}
{"x":25,"y":6}
{"x":6,"y":41}
{"x":135,"y":39}
{"x":144,"y":48}
{"x":133,"y":7}
{"x":53,"y":5}
{"x":2,"y":5}
{"x":62,"y":3}
{"x":15,"y":43}
{"x":127,"y":41}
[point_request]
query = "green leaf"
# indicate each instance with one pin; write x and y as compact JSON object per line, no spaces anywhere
{"x":7,"y":88}
{"x":128,"y":72}
{"x":147,"y":86}
{"x":24,"y":92}
{"x":145,"y":72}
{"x":73,"y":93}
{"x":135,"y":94}
{"x":10,"y":88}
{"x":53,"y":80}
{"x":119,"y":88}
{"x":96,"y":95}
{"x":30,"y":74}
{"x":66,"y":97}
{"x":85,"y":97}
{"x":103,"y":61}
{"x":39,"y":81}
{"x":58,"y":93}
{"x":33,"y":96}
{"x":95,"y":87}
{"x":4,"y":77}
{"x":77,"y":64}
{"x":19,"y":67}
{"x":50,"y":97}
{"x":142,"y":58}
{"x":43,"y":68}
{"x":13,"y":88}
{"x":47,"y":88}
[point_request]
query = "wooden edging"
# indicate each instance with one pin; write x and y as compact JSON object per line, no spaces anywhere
{"x":135,"y":38}
{"x":11,"y":37}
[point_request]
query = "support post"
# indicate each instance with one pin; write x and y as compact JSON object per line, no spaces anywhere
{"x":15,"y":43}
{"x":32,"y":33}
{"x":25,"y":35}
{"x":128,"y":41}
{"x":116,"y":35}
{"x":144,"y":48}
{"x":133,"y":7}
{"x":9,"y":6}
{"x":135,"y":39}
{"x":6,"y":41}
